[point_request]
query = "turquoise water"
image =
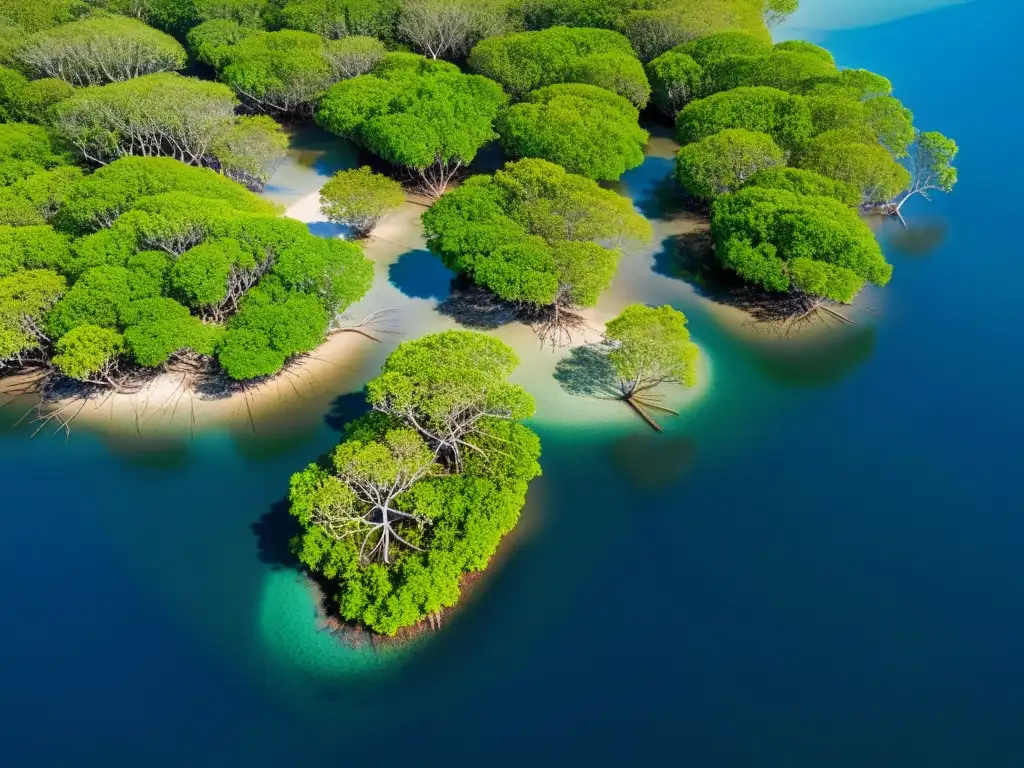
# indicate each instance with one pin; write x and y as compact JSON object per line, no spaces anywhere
{"x":817,"y":565}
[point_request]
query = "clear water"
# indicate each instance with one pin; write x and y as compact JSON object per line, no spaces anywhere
{"x":818,"y":564}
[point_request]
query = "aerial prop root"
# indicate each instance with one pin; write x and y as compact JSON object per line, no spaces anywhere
{"x":374,"y":323}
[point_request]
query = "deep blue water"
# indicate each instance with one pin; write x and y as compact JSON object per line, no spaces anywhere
{"x":820,"y":566}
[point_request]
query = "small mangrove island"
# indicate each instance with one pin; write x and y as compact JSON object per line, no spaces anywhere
{"x":136,"y":138}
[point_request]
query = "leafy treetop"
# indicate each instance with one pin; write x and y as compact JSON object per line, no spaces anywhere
{"x":585,"y":129}
{"x":415,"y":113}
{"x":781,"y":241}
{"x":651,"y":346}
{"x":526,"y":61}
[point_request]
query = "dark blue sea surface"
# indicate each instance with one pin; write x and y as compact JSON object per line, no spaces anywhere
{"x":820,"y":564}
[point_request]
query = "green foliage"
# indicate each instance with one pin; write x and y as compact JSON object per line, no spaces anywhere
{"x":161,"y":114}
{"x":99,"y":49}
{"x":788,"y":70}
{"x":210,"y":43}
{"x":175,"y":17}
{"x":250,"y":149}
{"x":803,"y":182}
{"x":429,"y":119}
{"x":359,"y":198}
{"x":541,"y":14}
{"x":87,"y":351}
{"x":248,"y":13}
{"x":676,"y":79}
{"x":334,"y":271}
{"x":865,"y":165}
{"x":585,"y":129}
{"x":16,"y":211}
{"x":25,"y":297}
{"x":784,"y":117}
{"x":529,"y":60}
{"x":340,"y":18}
{"x":354,"y":56}
{"x":653,"y":31}
{"x":175,"y":221}
{"x":777,"y":11}
{"x":284,"y":72}
{"x":398,"y":560}
{"x":148,"y":273}
{"x":99,"y":297}
{"x":891,"y":123}
{"x":199,"y":276}
{"x":768,"y":236}
{"x":450,"y":28}
{"x":109,"y":247}
{"x":100,"y":198}
{"x":36,"y":199}
{"x":29,"y":101}
{"x":934,"y":163}
{"x":510,"y":233}
{"x":28,"y":16}
{"x":857,"y":84}
{"x":651,"y":346}
{"x":802,"y":46}
{"x":271,"y":326}
{"x":39,"y":101}
{"x":12,"y":85}
{"x":433,"y":379}
{"x":725,"y":161}
{"x":158,"y":328}
{"x":881,"y":119}
{"x":719,"y":45}
{"x":26,"y":150}
{"x":32,"y":247}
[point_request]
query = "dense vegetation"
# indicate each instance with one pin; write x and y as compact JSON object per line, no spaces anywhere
{"x":421,"y":115}
{"x":585,"y":129}
{"x":99,"y":49}
{"x":131,"y":242}
{"x":537,"y":236}
{"x":422,"y":490}
{"x":529,"y":60}
{"x":165,"y":114}
{"x":789,"y":148}
{"x":286,"y":72}
{"x":149,"y":262}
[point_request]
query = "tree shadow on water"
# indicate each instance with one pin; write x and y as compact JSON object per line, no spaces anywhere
{"x":587,"y":372}
{"x":421,"y":275}
{"x":654,"y":462}
{"x":274,"y":532}
{"x":664,"y":199}
{"x":690,"y":257}
{"x":345,"y":408}
{"x":474,"y":307}
{"x":919,"y":238}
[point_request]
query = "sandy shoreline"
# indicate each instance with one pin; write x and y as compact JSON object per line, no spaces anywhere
{"x":298,"y":398}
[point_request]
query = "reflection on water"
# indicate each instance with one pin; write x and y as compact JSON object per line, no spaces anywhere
{"x":820,"y":362}
{"x":653,"y":462}
{"x":918,"y":238}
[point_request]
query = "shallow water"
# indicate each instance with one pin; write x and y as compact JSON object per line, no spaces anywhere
{"x":817,"y":564}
